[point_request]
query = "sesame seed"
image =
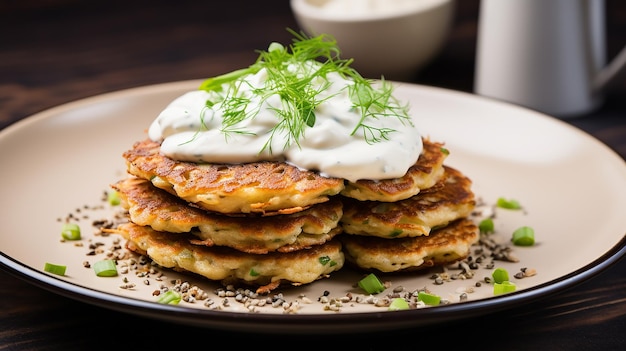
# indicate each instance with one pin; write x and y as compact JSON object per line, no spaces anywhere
{"x":484,"y":255}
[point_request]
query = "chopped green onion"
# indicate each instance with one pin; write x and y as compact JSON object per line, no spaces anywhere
{"x":398,"y":304}
{"x":395,"y":233}
{"x":170,"y":297}
{"x":105,"y":268}
{"x":113,"y":197}
{"x":429,"y":299}
{"x":253,"y":272}
{"x":500,"y":275}
{"x":326,"y":260}
{"x":486,"y":226}
{"x":371,"y":284}
{"x":524,"y":236}
{"x":503,"y":288}
{"x":54,"y":268}
{"x":508,"y":204}
{"x":70,"y":231}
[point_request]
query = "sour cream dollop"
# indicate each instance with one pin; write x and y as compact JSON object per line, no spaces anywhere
{"x":192,"y":130}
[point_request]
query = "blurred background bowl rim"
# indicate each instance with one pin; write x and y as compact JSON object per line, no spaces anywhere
{"x":305,"y":8}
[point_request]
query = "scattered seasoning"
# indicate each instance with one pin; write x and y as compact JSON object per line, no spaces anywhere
{"x":484,"y":255}
{"x":525,"y":272}
{"x":127,"y":286}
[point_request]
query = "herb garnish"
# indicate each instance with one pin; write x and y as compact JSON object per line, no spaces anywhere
{"x":297,"y":75}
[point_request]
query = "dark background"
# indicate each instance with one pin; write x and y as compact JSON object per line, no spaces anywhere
{"x":57,"y":51}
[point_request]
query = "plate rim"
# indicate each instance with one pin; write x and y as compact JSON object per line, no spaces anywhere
{"x":312,"y":323}
{"x":324,"y":323}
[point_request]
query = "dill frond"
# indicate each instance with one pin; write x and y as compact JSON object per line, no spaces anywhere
{"x":298,"y":76}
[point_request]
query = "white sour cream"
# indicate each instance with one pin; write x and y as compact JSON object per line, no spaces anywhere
{"x":191,"y":131}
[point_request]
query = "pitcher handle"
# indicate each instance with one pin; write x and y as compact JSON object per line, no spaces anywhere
{"x":609,"y":74}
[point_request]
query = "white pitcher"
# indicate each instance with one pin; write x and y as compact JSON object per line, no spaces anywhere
{"x":548,"y":55}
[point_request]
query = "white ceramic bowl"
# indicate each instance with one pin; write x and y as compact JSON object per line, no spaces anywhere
{"x":390,"y":38}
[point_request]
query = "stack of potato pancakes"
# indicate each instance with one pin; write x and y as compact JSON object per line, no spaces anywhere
{"x":269,"y":223}
{"x":284,"y":172}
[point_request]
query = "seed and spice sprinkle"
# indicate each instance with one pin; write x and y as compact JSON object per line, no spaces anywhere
{"x":139,"y":270}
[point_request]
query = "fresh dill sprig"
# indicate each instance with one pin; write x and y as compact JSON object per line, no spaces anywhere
{"x":375,"y":103}
{"x":299,"y":83}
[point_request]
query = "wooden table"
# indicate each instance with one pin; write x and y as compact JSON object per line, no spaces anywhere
{"x":56,"y":51}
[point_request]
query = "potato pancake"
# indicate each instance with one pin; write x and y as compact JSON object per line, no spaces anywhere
{"x":443,"y":246}
{"x":450,"y":199}
{"x":266,"y":188}
{"x":426,"y":172}
{"x":151,"y":206}
{"x":267,"y":272}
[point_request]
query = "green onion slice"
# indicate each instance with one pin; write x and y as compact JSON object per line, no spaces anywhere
{"x":324,"y":260}
{"x":508,"y":204}
{"x":429,"y":299}
{"x":398,"y":304}
{"x":500,"y":275}
{"x":486,"y":226}
{"x":54,"y":268}
{"x":503,"y":288}
{"x":70,"y":231}
{"x":113,"y":197}
{"x":371,"y":284}
{"x":524,"y":236}
{"x":105,"y":268}
{"x":170,"y":297}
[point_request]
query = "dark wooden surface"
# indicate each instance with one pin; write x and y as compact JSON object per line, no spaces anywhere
{"x":56,"y":51}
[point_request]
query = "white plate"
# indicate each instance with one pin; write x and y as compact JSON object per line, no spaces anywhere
{"x":572,"y":187}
